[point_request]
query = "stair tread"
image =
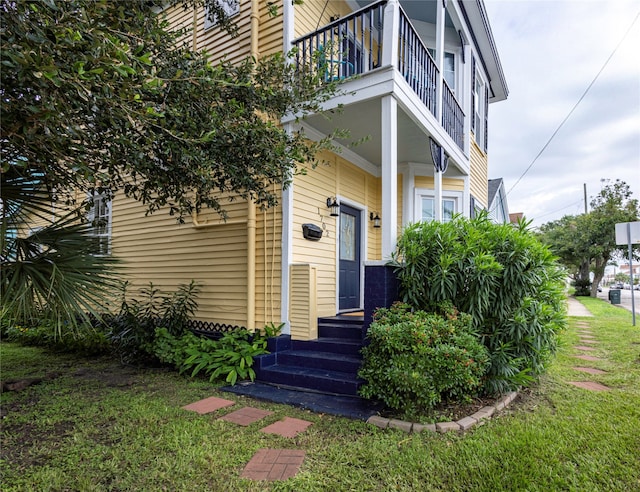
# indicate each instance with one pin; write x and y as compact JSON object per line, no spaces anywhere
{"x":346,"y":320}
{"x":315,"y":372}
{"x":323,"y":355}
{"x":346,"y":341}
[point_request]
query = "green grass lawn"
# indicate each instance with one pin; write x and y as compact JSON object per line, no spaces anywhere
{"x":93,"y":425}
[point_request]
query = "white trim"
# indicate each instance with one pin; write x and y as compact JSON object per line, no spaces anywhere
{"x":408,"y":183}
{"x":420,"y":193}
{"x":466,"y":197}
{"x":230,"y":10}
{"x":95,"y":199}
{"x":364,"y":222}
{"x":389,"y":153}
{"x":286,"y":252}
{"x":288,"y":21}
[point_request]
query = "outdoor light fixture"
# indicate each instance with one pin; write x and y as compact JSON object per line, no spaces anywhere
{"x":375,"y":219}
{"x":333,"y":204}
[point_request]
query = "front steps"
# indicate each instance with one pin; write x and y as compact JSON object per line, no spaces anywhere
{"x":328,"y":365}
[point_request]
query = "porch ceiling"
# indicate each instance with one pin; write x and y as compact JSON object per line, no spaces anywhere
{"x":364,"y":121}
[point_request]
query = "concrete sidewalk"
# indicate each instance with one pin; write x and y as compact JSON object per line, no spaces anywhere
{"x":577,"y":309}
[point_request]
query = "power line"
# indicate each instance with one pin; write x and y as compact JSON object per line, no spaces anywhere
{"x":560,"y":209}
{"x":576,"y":105}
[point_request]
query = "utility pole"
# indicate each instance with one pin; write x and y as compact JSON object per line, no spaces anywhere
{"x":585,"y":198}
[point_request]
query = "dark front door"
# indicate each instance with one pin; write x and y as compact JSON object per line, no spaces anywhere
{"x":349,"y":258}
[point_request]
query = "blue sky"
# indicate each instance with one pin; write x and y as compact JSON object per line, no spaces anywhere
{"x":550,"y":52}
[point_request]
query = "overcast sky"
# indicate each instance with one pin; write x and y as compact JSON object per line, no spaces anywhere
{"x":550,"y":53}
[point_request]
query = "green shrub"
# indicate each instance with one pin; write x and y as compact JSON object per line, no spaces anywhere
{"x":502,"y":275}
{"x":229,"y":358}
{"x":132,"y":330}
{"x":83,"y":339}
{"x":414,"y":360}
{"x":582,"y":287}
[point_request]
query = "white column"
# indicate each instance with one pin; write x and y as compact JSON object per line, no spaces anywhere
{"x":466,"y":197}
{"x":408,"y":198}
{"x":286,"y":250}
{"x":389,"y":148}
{"x":288,"y":21}
{"x":437,"y":186}
{"x":390,"y":34}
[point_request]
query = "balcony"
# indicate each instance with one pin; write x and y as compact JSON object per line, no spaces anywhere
{"x":361,"y":43}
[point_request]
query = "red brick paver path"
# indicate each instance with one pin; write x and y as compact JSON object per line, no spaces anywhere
{"x":246,"y":416}
{"x":590,"y":385}
{"x":583,"y":347}
{"x":209,"y":405}
{"x":274,"y":464}
{"x":587,"y":357}
{"x":590,"y":370}
{"x":287,"y":427}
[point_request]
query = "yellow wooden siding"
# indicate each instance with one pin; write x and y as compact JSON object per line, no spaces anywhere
{"x":374,"y":200}
{"x":268,"y":265}
{"x":303,"y":313}
{"x":270,"y":39}
{"x":218,"y":43}
{"x":479,"y":181}
{"x":157,"y":249}
{"x":317,"y":13}
{"x":336,"y":178}
{"x":448,"y":184}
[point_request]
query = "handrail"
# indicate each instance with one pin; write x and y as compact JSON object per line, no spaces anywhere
{"x":353,"y":45}
{"x":416,"y":64}
{"x":452,"y":115}
{"x":336,"y":22}
{"x":345,"y":47}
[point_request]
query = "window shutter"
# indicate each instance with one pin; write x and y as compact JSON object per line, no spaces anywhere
{"x":486,"y":117}
{"x":473,"y":94}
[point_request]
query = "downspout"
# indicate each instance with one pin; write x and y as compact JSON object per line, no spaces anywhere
{"x":251,"y":207}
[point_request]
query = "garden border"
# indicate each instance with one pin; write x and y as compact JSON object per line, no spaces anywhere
{"x":464,"y":424}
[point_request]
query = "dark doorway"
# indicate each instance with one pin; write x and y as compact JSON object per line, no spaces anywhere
{"x":349,"y":258}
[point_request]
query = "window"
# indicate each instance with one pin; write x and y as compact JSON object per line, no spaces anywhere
{"x":480,"y":100}
{"x":426,"y":205}
{"x":99,"y":218}
{"x":449,"y":69}
{"x":229,"y":7}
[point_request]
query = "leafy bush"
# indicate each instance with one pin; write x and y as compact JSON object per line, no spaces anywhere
{"x":230,"y":357}
{"x":132,"y":330}
{"x":83,"y":339}
{"x":582,"y":286}
{"x":500,"y":274}
{"x":414,"y":360}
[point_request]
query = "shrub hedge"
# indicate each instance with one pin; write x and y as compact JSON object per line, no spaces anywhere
{"x":501,"y":275}
{"x":414,"y":360}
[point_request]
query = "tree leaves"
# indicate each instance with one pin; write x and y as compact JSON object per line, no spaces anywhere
{"x":116,"y":97}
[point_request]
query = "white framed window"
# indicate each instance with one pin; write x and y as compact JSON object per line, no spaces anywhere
{"x":99,"y":218}
{"x":230,"y":8}
{"x":449,"y":69}
{"x":480,"y":99}
{"x":425,"y":204}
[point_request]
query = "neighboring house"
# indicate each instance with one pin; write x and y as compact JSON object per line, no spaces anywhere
{"x":426,"y":74}
{"x":498,"y":207}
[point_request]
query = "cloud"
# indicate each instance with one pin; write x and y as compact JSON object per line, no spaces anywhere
{"x":551,"y":51}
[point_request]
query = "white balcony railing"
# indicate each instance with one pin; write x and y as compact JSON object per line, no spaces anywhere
{"x":353,"y":45}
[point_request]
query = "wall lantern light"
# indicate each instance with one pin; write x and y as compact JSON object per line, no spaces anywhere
{"x":333,"y":204}
{"x":375,"y":218}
